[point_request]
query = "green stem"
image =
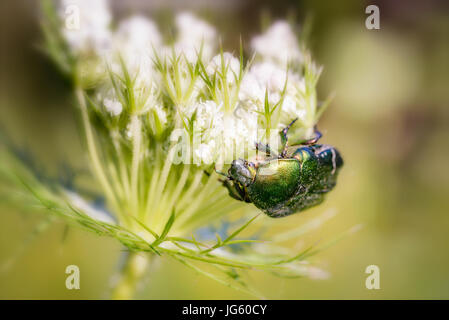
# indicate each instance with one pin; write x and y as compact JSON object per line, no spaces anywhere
{"x":92,"y":149}
{"x":132,"y":273}
{"x":268,"y":128}
{"x":137,"y":137}
{"x":123,"y":169}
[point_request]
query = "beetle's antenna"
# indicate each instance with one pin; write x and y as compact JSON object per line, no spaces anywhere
{"x":206,"y":173}
{"x":285,"y":130}
{"x":220,"y":173}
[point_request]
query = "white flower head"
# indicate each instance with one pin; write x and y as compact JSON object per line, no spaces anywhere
{"x":222,"y":136}
{"x":278,"y":44}
{"x":207,"y":114}
{"x":193,"y":34}
{"x":113,"y":106}
{"x":288,"y":88}
{"x":225,"y":61}
{"x":161,"y":113}
{"x":135,"y":39}
{"x":206,"y":152}
{"x":240,"y":132}
{"x":263,"y":77}
{"x":86,"y":25}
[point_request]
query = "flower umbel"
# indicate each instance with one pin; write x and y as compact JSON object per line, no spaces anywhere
{"x":157,"y":119}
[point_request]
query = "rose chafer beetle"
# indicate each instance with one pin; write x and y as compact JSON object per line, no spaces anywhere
{"x":279,"y":185}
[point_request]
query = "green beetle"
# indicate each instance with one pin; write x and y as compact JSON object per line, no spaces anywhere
{"x":280,"y":185}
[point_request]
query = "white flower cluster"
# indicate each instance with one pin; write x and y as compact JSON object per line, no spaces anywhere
{"x":86,"y":25}
{"x":142,"y":99}
{"x":278,"y":44}
{"x":192,"y":34}
{"x":192,"y":86}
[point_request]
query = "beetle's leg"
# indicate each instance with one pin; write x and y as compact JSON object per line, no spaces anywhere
{"x":233,"y":189}
{"x":309,"y":142}
{"x":266,"y":149}
{"x":242,"y":192}
{"x":315,"y":139}
{"x":284,"y":138}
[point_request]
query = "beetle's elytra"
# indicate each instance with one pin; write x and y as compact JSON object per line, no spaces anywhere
{"x":279,"y":185}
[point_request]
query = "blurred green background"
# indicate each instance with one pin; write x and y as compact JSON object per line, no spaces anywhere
{"x":390,"y":120}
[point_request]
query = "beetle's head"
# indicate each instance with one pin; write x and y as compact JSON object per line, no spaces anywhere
{"x":242,"y":172}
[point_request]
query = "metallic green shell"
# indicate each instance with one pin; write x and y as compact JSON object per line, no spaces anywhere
{"x":275,"y":183}
{"x":295,"y":183}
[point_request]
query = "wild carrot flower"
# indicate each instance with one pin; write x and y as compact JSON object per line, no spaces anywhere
{"x":278,"y":44}
{"x":88,"y":31}
{"x":158,"y":117}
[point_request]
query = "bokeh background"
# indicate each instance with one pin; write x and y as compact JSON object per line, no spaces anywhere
{"x":390,"y":120}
